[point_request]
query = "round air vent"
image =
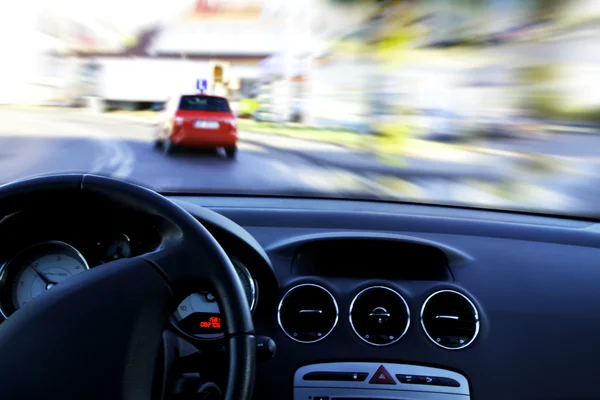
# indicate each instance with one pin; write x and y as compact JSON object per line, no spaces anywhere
{"x":450,"y":319}
{"x":379,"y":315}
{"x":307,"y":313}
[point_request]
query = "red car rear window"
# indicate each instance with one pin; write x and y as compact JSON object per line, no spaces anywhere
{"x":204,"y":103}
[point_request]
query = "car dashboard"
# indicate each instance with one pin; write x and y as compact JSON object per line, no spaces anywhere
{"x":363,"y":300}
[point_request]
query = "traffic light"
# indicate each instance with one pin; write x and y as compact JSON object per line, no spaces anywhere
{"x":218,"y":73}
{"x":219,"y":76}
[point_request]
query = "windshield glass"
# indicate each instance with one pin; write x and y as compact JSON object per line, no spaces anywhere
{"x":201,"y":103}
{"x":492,"y":104}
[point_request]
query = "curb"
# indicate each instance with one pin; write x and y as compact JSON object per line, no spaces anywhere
{"x":404,"y":173}
{"x":461,"y":147}
{"x":575,"y":130}
{"x":474,"y":149}
{"x":297,"y":138}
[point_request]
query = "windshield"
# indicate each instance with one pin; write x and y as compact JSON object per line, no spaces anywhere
{"x":201,"y":103}
{"x":492,"y":104}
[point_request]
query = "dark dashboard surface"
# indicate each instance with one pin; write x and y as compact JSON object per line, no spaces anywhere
{"x":535,"y":281}
{"x":528,"y":287}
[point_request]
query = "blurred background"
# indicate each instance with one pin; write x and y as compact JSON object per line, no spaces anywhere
{"x":486,"y":103}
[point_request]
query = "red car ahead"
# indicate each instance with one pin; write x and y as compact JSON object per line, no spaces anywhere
{"x":199,"y":121}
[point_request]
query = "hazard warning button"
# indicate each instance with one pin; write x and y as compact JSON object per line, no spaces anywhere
{"x":382,"y":377}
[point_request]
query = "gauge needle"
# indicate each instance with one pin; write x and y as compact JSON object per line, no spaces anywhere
{"x":48,"y":282}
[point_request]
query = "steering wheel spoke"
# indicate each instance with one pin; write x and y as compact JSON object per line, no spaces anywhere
{"x":176,"y":262}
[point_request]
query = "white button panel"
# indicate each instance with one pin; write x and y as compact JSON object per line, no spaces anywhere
{"x":347,"y":380}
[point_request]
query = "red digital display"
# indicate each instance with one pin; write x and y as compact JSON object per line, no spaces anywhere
{"x":212,"y":323}
{"x":199,"y":323}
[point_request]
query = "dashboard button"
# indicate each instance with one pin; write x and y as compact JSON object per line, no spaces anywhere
{"x":428,"y":380}
{"x":447,"y":382}
{"x":336,"y":376}
{"x":382,"y":377}
{"x":408,"y":378}
{"x":357,"y":376}
{"x":265,"y":348}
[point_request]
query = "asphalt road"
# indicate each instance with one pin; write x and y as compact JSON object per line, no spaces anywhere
{"x":38,"y":141}
{"x":42,"y":141}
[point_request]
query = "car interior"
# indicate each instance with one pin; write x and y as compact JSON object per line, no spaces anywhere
{"x":174,"y":296}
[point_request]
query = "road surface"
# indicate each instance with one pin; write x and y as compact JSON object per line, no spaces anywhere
{"x":38,"y":141}
{"x":42,"y":141}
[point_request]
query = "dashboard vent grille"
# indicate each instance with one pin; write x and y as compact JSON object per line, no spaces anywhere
{"x":379,"y":315}
{"x":307,"y":313}
{"x":450,"y":319}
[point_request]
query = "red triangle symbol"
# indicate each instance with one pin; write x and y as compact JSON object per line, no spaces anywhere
{"x":382,"y":377}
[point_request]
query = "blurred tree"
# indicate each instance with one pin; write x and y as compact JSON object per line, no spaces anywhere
{"x":544,"y":9}
{"x":477,"y":3}
{"x":353,"y":1}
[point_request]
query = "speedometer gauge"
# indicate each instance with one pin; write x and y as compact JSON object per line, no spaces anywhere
{"x":199,"y":316}
{"x":35,"y":270}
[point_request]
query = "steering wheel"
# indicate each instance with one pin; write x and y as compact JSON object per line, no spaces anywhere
{"x":97,"y":335}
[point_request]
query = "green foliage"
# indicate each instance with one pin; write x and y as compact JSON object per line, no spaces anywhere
{"x":537,"y":74}
{"x":548,"y":105}
{"x":542,"y":9}
{"x":248,"y":107}
{"x":351,"y":1}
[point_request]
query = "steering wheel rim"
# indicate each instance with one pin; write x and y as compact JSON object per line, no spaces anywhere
{"x":102,"y":328}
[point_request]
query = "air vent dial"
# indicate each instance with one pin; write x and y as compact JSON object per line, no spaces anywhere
{"x":307,"y":313}
{"x":450,"y":319}
{"x":379,"y":315}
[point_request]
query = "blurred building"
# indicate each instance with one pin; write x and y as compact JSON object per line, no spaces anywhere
{"x":234,"y":32}
{"x":37,"y":68}
{"x":62,"y":55}
{"x":231,"y":36}
{"x":303,"y":81}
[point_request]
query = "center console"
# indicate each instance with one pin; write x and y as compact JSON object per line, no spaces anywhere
{"x":377,"y":381}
